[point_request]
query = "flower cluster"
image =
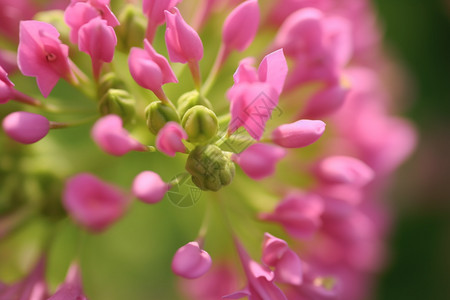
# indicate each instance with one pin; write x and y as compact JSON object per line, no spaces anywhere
{"x":298,"y":141}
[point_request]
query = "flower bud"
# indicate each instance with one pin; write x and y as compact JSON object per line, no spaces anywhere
{"x":298,"y":134}
{"x":149,"y":187}
{"x":110,"y":81}
{"x":158,"y":114}
{"x":191,"y":99}
{"x":200,"y":124}
{"x":131,"y":31}
{"x":118,"y":102}
{"x":6,"y":87}
{"x":210,"y":167}
{"x":169,"y":139}
{"x":25,"y":127}
{"x":190,"y":261}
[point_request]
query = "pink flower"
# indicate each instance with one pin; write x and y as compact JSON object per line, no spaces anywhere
{"x":241,"y":25}
{"x":25,"y":127}
{"x":190,"y":261}
{"x":98,"y":40}
{"x":6,"y":87}
{"x":154,"y":10}
{"x":300,"y":214}
{"x":326,"y":101}
{"x":299,"y":134}
{"x":93,"y":203}
{"x":259,"y":160}
{"x":149,"y":187}
{"x":42,"y":55}
{"x":276,"y":253}
{"x":183,"y":43}
{"x":169,"y":139}
{"x":72,"y":288}
{"x":110,"y":136}
{"x":150,"y":69}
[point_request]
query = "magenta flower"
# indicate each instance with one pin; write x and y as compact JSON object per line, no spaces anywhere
{"x":93,"y":203}
{"x":259,"y":160}
{"x":241,"y":25}
{"x":6,"y":87}
{"x":42,"y":55}
{"x":150,"y":69}
{"x":190,"y":261}
{"x":299,"y":134}
{"x":169,"y":139}
{"x":98,"y":40}
{"x":25,"y":127}
{"x":149,"y":187}
{"x":111,"y":137}
{"x":154,"y":10}
{"x":326,"y":101}
{"x":72,"y":288}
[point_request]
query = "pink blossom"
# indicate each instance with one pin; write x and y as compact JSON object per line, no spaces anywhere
{"x":72,"y":288}
{"x":259,"y":160}
{"x":12,"y":12}
{"x":154,"y":10}
{"x":25,"y":127}
{"x":300,"y":214}
{"x":98,"y":40}
{"x":326,"y":101}
{"x":149,"y":187}
{"x":8,"y":60}
{"x":169,"y":139}
{"x":6,"y":87}
{"x":299,"y":134}
{"x":93,"y":203}
{"x":111,"y":137}
{"x":183,"y":43}
{"x":190,"y":261}
{"x":241,"y":25}
{"x":340,"y":200}
{"x":42,"y":55}
{"x":150,"y":69}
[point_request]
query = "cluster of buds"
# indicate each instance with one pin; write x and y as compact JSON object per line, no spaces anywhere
{"x":299,"y":139}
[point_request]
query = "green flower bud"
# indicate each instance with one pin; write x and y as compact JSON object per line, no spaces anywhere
{"x":110,"y":81}
{"x":158,"y":114}
{"x":118,"y":102}
{"x":200,"y":124}
{"x":55,"y":18}
{"x":131,"y":31}
{"x":210,"y":167}
{"x":191,"y":99}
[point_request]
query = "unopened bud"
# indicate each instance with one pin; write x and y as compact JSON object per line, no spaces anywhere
{"x":210,"y":167}
{"x":191,"y":99}
{"x":110,"y":81}
{"x":158,"y":114}
{"x":118,"y":102}
{"x":200,"y":124}
{"x":131,"y":31}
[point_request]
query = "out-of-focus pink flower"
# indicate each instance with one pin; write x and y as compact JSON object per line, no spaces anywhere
{"x":6,"y":87}
{"x":241,"y":25}
{"x":154,"y":10}
{"x":72,"y":288}
{"x":42,"y":55}
{"x":259,"y":160}
{"x":149,"y":187}
{"x":190,"y":261}
{"x":111,"y":137}
{"x":326,"y":101}
{"x":299,"y":134}
{"x":93,"y":203}
{"x":25,"y":127}
{"x":8,"y":60}
{"x":340,"y":200}
{"x":300,"y":214}
{"x":169,"y":139}
{"x":98,"y":40}
{"x":183,"y":43}
{"x":150,"y":69}
{"x":12,"y":12}
{"x":288,"y":266}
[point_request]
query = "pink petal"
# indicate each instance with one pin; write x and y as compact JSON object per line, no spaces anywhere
{"x":169,"y":139}
{"x":298,"y":134}
{"x":26,"y":127}
{"x":273,"y":70}
{"x":190,"y":261}
{"x":149,"y":187}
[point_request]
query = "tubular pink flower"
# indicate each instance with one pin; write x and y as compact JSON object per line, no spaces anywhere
{"x":42,"y":55}
{"x":259,"y":160}
{"x":98,"y":40}
{"x":241,"y":25}
{"x":25,"y":127}
{"x":300,"y":214}
{"x":72,"y":288}
{"x":150,"y":69}
{"x":6,"y":87}
{"x":298,"y":134}
{"x":326,"y":101}
{"x":149,"y":187}
{"x":288,"y":266}
{"x":169,"y":139}
{"x":190,"y":261}
{"x":110,"y":136}
{"x":93,"y":203}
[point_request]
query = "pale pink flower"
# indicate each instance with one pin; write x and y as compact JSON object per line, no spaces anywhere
{"x":72,"y":288}
{"x":25,"y":127}
{"x":259,"y":160}
{"x":93,"y":203}
{"x":42,"y":55}
{"x":149,"y":187}
{"x":111,"y":137}
{"x":6,"y":87}
{"x":190,"y":261}
{"x":169,"y":139}
{"x":299,"y":134}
